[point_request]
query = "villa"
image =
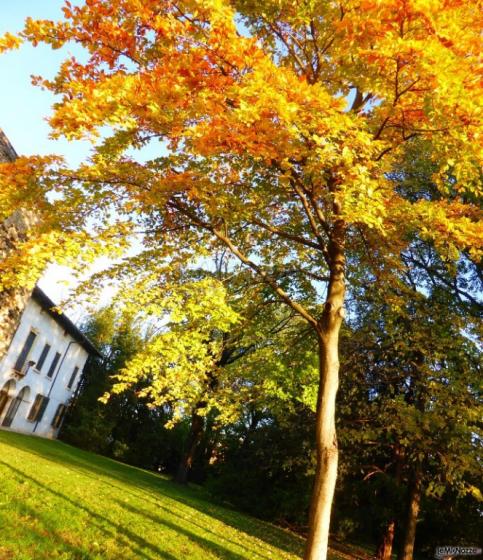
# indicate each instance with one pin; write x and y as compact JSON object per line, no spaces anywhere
{"x":41,"y":369}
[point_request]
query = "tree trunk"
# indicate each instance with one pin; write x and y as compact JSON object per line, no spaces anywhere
{"x":326,"y":437}
{"x":384,"y":552}
{"x":197,"y":426}
{"x":407,"y":546}
{"x":194,"y":438}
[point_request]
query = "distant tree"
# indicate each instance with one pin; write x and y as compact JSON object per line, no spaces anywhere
{"x":423,"y":317}
{"x":273,"y":457}
{"x":216,"y":344}
{"x":125,"y":428}
{"x":409,"y":412}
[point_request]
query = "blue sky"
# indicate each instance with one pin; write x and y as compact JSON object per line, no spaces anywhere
{"x":24,"y":107}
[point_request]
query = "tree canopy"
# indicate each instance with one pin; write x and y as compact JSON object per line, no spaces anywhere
{"x":279,"y":125}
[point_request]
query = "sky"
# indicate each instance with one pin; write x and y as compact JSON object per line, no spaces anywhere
{"x":23,"y":108}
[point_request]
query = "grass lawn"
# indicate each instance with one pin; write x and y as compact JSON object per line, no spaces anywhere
{"x":58,"y":502}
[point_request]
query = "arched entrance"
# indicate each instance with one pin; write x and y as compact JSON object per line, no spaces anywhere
{"x":6,"y":394}
{"x":14,"y":405}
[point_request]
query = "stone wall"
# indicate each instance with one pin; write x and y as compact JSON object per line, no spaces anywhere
{"x":12,"y":231}
{"x":7,"y":153}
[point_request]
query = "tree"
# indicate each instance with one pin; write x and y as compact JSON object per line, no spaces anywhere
{"x":126,"y":428}
{"x":413,"y":339}
{"x":214,"y":343}
{"x":280,"y":124}
{"x":274,"y":457}
{"x":412,"y":367}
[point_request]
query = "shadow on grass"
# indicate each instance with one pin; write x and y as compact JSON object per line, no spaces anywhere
{"x":154,"y":500}
{"x":205,"y":543}
{"x":119,"y":532}
{"x":151,"y":485}
{"x":46,"y":532}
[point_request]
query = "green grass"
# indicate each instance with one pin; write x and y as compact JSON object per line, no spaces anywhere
{"x":58,"y":502}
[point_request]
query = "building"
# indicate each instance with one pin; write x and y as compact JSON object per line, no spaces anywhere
{"x":42,"y":353}
{"x":13,"y":231}
{"x":41,"y":369}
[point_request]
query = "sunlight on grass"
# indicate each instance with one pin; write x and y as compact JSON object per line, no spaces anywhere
{"x":60,"y":502}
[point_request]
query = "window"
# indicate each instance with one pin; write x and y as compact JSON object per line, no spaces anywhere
{"x":22,"y":357}
{"x":38,"y":408}
{"x":14,"y":406}
{"x":72,"y":377}
{"x":43,"y":357}
{"x":53,"y":365}
{"x":59,"y":416}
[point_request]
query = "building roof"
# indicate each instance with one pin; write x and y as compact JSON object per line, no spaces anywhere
{"x":50,"y":307}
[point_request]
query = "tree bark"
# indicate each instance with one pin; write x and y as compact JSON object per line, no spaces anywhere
{"x":417,"y":398}
{"x":197,"y":427}
{"x":407,"y":545}
{"x":194,"y":438}
{"x":326,"y":437}
{"x":384,"y":550}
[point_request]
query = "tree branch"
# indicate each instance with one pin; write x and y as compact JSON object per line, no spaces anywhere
{"x":223,"y":237}
{"x":313,"y":224}
{"x":287,"y":235}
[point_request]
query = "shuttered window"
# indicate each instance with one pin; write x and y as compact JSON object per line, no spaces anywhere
{"x":3,"y":400}
{"x":22,"y":357}
{"x":38,"y":408}
{"x":72,"y":377}
{"x":53,"y":365}
{"x":59,"y":416}
{"x":43,"y":357}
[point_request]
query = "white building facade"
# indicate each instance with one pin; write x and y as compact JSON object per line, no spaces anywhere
{"x":41,"y":370}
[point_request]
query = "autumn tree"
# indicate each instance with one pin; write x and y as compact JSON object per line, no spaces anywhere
{"x":412,"y":340}
{"x":215,"y":343}
{"x":280,"y":124}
